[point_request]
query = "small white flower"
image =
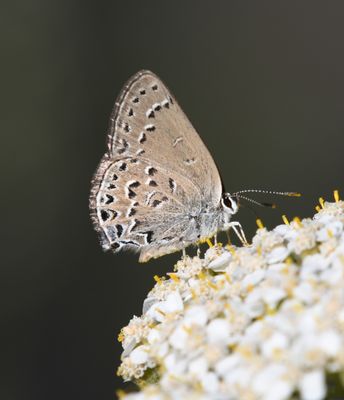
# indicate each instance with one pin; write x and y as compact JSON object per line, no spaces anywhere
{"x":334,"y":273}
{"x":159,"y":310}
{"x":196,"y":315}
{"x":330,"y":342}
{"x":266,"y":377}
{"x":155,"y":312}
{"x":273,"y":295}
{"x":282,"y":229}
{"x":253,"y":279}
{"x":306,"y":351}
{"x":147,"y":304}
{"x":224,"y":366}
{"x":154,"y":336}
{"x":218,"y":331}
{"x":161,"y":350}
{"x":304,"y":292}
{"x":239,"y":377}
{"x":312,"y":265}
{"x":139,"y":355}
{"x":198,"y":366}
{"x":255,"y":329}
{"x":235,"y":271}
{"x":173,"y":303}
{"x":299,"y":241}
{"x":281,"y":322}
{"x":179,"y":337}
{"x":174,"y":364}
{"x":331,"y":229}
{"x":279,"y":390}
{"x":254,"y":305}
{"x":312,"y":386}
{"x":277,"y":254}
{"x":221,"y":262}
{"x":210,"y":382}
{"x":273,"y":346}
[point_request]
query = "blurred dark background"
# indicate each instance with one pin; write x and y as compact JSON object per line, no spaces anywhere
{"x":263,"y":84}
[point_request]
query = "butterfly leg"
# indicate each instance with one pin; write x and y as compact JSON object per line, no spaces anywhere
{"x":184,"y":253}
{"x":237,"y":228}
{"x":215,"y":239}
{"x":198,"y":250}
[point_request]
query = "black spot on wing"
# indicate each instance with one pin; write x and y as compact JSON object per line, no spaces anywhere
{"x":149,"y":236}
{"x":151,"y":171}
{"x":119,"y":228}
{"x":109,"y":199}
{"x":135,"y":184}
{"x":152,"y":183}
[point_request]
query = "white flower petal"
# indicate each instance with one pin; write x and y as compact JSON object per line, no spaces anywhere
{"x":312,"y":386}
{"x":154,"y":336}
{"x":155,"y":312}
{"x":253,"y":279}
{"x":147,"y":304}
{"x":128,"y":348}
{"x":179,"y":337}
{"x":334,"y":228}
{"x":279,"y":390}
{"x":239,"y":377}
{"x":313,"y":264}
{"x":139,"y":355}
{"x":196,"y":315}
{"x":254,"y":305}
{"x":330,"y":342}
{"x":162,"y":349}
{"x":174,"y":364}
{"x":282,"y":229}
{"x":304,"y":292}
{"x":210,"y":382}
{"x":227,"y":364}
{"x":275,"y":344}
{"x":218,"y":331}
{"x":221,"y":262}
{"x":273,"y":295}
{"x":264,"y":378}
{"x":277,"y":254}
{"x":173,"y":303}
{"x":198,"y":366}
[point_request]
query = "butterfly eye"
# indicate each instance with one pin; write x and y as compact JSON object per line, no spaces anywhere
{"x":229,"y":204}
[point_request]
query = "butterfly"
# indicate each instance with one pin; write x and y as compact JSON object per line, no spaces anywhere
{"x":157,"y":189}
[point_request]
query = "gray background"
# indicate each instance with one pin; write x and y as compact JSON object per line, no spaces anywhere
{"x":262,"y":82}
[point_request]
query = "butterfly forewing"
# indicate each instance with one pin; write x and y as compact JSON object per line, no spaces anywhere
{"x":148,"y":122}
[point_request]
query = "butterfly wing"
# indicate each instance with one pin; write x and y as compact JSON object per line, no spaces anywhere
{"x":155,"y":171}
{"x":147,"y":111}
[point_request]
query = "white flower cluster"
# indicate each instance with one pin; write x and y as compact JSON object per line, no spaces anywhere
{"x":259,"y":322}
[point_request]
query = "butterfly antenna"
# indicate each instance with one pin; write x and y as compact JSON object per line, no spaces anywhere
{"x":262,"y":204}
{"x":289,"y":194}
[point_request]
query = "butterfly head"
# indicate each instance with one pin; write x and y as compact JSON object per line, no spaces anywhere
{"x":230,"y":204}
